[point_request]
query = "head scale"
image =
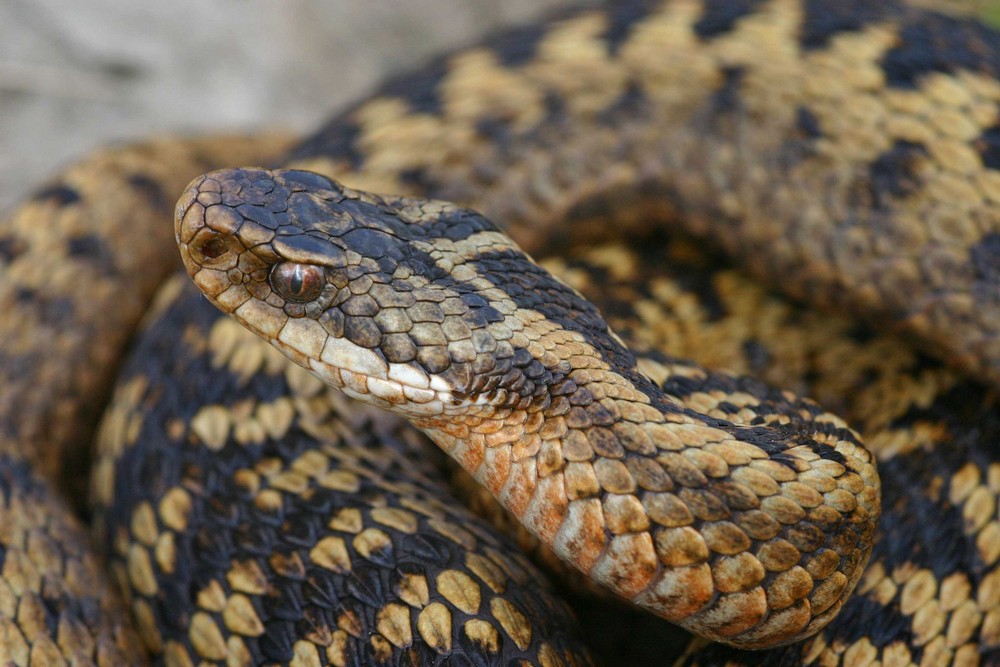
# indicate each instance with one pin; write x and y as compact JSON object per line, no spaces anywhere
{"x":381,"y":296}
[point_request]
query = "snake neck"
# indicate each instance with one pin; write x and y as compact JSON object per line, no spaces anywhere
{"x":589,"y":431}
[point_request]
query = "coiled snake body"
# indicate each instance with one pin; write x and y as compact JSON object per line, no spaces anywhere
{"x":846,"y":153}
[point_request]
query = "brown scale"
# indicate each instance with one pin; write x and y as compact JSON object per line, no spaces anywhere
{"x":67,"y":314}
{"x":253,"y":517}
{"x":503,"y":131}
{"x":930,"y":594}
{"x":751,"y":531}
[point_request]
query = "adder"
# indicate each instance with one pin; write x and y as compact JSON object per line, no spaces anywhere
{"x":843,"y":153}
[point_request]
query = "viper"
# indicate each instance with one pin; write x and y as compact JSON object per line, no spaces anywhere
{"x":845,"y":155}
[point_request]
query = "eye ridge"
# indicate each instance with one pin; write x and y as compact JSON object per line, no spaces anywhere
{"x":297,"y":282}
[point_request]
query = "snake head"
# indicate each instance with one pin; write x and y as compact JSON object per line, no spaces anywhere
{"x":383,"y":297}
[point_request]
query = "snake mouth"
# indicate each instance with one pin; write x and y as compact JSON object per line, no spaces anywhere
{"x":279,"y":282}
{"x":365,"y":375}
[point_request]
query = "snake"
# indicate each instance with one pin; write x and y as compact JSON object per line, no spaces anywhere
{"x":843,"y":154}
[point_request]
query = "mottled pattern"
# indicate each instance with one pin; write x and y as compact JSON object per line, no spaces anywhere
{"x":747,"y":518}
{"x":845,"y":151}
{"x":56,"y":607}
{"x":78,"y":264}
{"x":930,"y":594}
{"x":695,"y":113}
{"x":255,"y":517}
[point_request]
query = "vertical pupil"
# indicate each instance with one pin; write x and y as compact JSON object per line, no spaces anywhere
{"x":296,"y":280}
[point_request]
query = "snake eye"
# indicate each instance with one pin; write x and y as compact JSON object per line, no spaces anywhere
{"x":296,"y":282}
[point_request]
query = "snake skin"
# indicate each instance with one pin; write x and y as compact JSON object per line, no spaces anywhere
{"x":78,"y":265}
{"x":750,"y":531}
{"x":256,"y":518}
{"x":846,"y":152}
{"x":930,"y":593}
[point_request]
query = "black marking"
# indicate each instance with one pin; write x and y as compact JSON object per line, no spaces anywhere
{"x":776,"y":439}
{"x":988,"y":147}
{"x":457,"y":224}
{"x":150,"y":189}
{"x":757,"y":356}
{"x":592,"y":208}
{"x":825,"y":19}
{"x":727,"y":98}
{"x":937,"y":43}
{"x":60,"y":194}
{"x":864,"y":618}
{"x":920,"y":524}
{"x":494,"y":128}
{"x":417,"y":178}
{"x":54,"y":311}
{"x":630,"y":104}
{"x":807,"y":123}
{"x":94,"y":249}
{"x":306,"y":181}
{"x":720,"y":16}
{"x":531,"y":288}
{"x":621,"y":16}
{"x":702,"y":285}
{"x":374,"y":243}
{"x":917,"y":529}
{"x":10,"y":249}
{"x":518,"y":46}
{"x":719,"y":654}
{"x":419,"y":89}
{"x":24,"y":294}
{"x":276,"y":643}
{"x":689,"y":275}
{"x":985,"y":257}
{"x":337,"y":140}
{"x":896,"y":172}
{"x":555,"y":105}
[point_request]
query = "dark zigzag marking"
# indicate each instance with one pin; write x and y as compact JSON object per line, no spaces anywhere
{"x":720,"y":16}
{"x":221,"y":533}
{"x":824,"y":19}
{"x":937,"y":43}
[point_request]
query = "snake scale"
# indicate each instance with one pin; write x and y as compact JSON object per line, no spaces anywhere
{"x":845,"y":154}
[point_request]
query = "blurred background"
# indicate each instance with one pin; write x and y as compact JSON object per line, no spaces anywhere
{"x":74,"y":75}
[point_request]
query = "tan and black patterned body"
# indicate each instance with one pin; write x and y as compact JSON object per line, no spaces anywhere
{"x":751,"y":530}
{"x":846,"y":151}
{"x":930,"y":593}
{"x":257,"y":518}
{"x":78,"y":264}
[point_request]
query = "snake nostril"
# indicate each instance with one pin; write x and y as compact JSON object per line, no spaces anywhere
{"x":214,"y":247}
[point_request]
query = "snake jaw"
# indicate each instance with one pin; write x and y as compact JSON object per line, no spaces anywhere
{"x":239,"y":281}
{"x":392,"y":313}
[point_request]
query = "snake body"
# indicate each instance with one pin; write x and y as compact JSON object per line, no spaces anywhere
{"x":426,"y":309}
{"x":845,"y":152}
{"x":277,"y":522}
